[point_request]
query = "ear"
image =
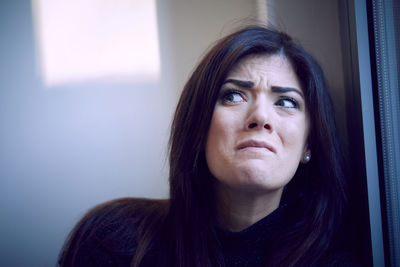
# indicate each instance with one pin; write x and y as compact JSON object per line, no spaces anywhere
{"x":306,"y":156}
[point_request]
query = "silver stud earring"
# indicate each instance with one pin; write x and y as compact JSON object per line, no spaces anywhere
{"x":307,"y":158}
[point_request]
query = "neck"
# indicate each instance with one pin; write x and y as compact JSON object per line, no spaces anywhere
{"x":237,"y":209}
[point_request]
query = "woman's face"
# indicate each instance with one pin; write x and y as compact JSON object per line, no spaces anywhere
{"x":259,"y":127}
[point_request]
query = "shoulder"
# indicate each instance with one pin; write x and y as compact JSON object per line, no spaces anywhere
{"x":108,"y":234}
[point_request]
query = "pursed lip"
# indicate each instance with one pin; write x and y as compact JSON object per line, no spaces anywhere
{"x":255,"y":143}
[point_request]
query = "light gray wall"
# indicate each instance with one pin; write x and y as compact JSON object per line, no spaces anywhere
{"x":66,"y":149}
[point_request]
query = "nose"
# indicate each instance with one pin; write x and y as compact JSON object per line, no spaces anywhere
{"x":259,"y":117}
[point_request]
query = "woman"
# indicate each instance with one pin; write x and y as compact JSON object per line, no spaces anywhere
{"x":256,"y":170}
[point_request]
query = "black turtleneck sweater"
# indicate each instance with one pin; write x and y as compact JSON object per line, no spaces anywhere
{"x":247,"y":248}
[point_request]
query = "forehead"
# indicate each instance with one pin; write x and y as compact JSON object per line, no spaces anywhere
{"x":276,"y":69}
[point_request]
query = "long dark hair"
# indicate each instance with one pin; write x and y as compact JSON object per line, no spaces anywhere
{"x":183,"y":229}
{"x":318,"y":186}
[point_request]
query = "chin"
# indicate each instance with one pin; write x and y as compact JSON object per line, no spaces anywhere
{"x":255,"y":180}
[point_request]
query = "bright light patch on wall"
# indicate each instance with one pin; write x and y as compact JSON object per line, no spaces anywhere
{"x":97,"y":39}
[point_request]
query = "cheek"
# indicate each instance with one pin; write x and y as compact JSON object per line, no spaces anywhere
{"x":294,"y":135}
{"x":222,"y":128}
{"x":220,"y":139}
{"x":215,"y":133}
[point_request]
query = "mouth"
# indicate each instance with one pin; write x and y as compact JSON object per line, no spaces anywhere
{"x":256,"y":144}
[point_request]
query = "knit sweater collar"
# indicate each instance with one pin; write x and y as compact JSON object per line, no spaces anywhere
{"x":249,"y":247}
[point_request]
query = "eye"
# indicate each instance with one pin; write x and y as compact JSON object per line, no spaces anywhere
{"x":287,"y":102}
{"x":232,"y":97}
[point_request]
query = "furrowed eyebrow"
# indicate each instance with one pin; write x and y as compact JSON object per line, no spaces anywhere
{"x":278,"y":89}
{"x":275,"y":89}
{"x":240,"y":83}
